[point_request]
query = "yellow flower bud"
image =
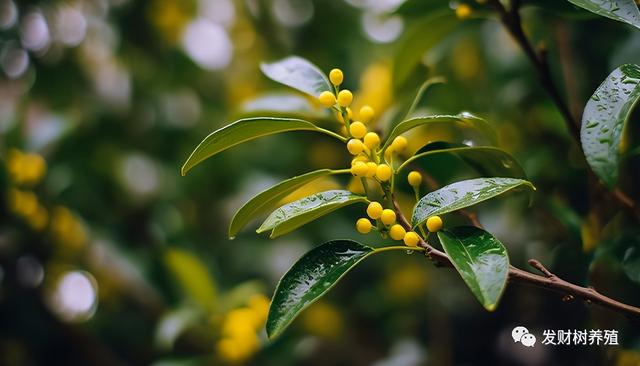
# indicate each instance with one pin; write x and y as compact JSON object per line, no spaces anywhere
{"x":399,"y":143}
{"x":363,"y":225}
{"x":388,"y":216}
{"x":327,"y":99}
{"x":463,"y":11}
{"x":383,"y":172}
{"x":434,"y":223}
{"x":361,"y":158}
{"x":371,"y":140}
{"x":414,"y":178}
{"x":345,"y":98}
{"x":397,"y":232}
{"x":357,"y":129}
{"x":359,"y":169}
{"x":374,"y":210}
{"x":371,"y":169}
{"x":355,"y":146}
{"x":336,"y":77}
{"x":411,"y":239}
{"x":366,"y":113}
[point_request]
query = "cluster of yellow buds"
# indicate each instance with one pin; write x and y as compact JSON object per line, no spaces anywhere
{"x":240,"y":328}
{"x":67,"y":230}
{"x":25,"y":204}
{"x":387,"y":217}
{"x":25,"y":169}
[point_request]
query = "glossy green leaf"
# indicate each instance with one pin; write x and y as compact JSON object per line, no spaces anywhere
{"x":295,"y":214}
{"x":463,"y":194}
{"x":461,"y":121}
{"x":312,"y":276}
{"x":268,"y":199}
{"x":245,"y":130}
{"x":604,"y":119}
{"x":481,"y":260}
{"x":489,"y":161}
{"x":421,"y":36}
{"x":297,"y":73}
{"x":625,"y":11}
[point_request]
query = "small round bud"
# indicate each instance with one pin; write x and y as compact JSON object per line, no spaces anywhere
{"x":434,"y":223}
{"x":366,"y":113}
{"x":359,"y":169}
{"x":336,"y":77}
{"x":397,"y":232}
{"x":399,"y":143}
{"x":411,"y":239}
{"x":358,"y":158}
{"x":383,"y":172}
{"x":463,"y":11}
{"x":374,"y":210}
{"x":371,"y":140}
{"x":363,"y":225}
{"x":355,"y":146}
{"x":414,"y":178}
{"x":345,"y":98}
{"x":388,"y":216}
{"x":327,"y":99}
{"x":358,"y":130}
{"x":371,"y":169}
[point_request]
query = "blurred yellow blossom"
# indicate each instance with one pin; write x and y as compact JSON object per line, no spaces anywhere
{"x":322,"y":319}
{"x":66,"y":229}
{"x":375,"y":88}
{"x":25,"y":169}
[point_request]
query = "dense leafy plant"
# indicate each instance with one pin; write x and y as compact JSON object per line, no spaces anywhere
{"x":378,"y":163}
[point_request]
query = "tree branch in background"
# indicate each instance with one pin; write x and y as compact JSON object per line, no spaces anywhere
{"x":511,"y":20}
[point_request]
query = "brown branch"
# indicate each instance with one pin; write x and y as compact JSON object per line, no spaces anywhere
{"x":511,"y":20}
{"x":549,"y":281}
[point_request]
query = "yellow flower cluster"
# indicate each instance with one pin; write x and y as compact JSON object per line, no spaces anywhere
{"x":387,"y":217}
{"x":25,"y":169}
{"x":26,"y":205}
{"x":66,"y":229}
{"x":239,"y":330}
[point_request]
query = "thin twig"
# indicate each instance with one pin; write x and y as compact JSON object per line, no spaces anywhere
{"x":549,"y":281}
{"x":511,"y":20}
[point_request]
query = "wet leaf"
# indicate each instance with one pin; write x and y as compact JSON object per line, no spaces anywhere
{"x":604,"y":120}
{"x":461,"y":121}
{"x":299,"y":74}
{"x":463,"y":194}
{"x":487,"y":160}
{"x":481,"y":260}
{"x":625,"y":11}
{"x":295,"y":214}
{"x":245,"y":130}
{"x":311,"y":277}
{"x":268,"y":199}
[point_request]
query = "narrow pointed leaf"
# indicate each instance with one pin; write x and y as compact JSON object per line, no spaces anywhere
{"x":481,"y":260}
{"x":420,"y":93}
{"x":268,"y":199}
{"x":461,"y":121}
{"x":625,"y":11}
{"x":295,"y":214}
{"x":487,"y":160}
{"x":245,"y":130}
{"x":604,"y":119}
{"x":463,"y":194}
{"x":297,"y":73}
{"x":312,"y":276}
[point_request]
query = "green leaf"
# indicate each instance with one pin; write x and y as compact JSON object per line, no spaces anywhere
{"x":461,"y":121}
{"x":631,"y":263}
{"x":268,"y":199}
{"x":312,"y":276}
{"x":299,"y":74}
{"x":481,"y":260}
{"x":193,"y":277}
{"x":419,"y":38}
{"x":245,"y":130}
{"x":487,"y":160}
{"x":463,"y":194}
{"x":295,"y":214}
{"x":418,"y":97}
{"x":604,"y":120}
{"x":625,"y":11}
